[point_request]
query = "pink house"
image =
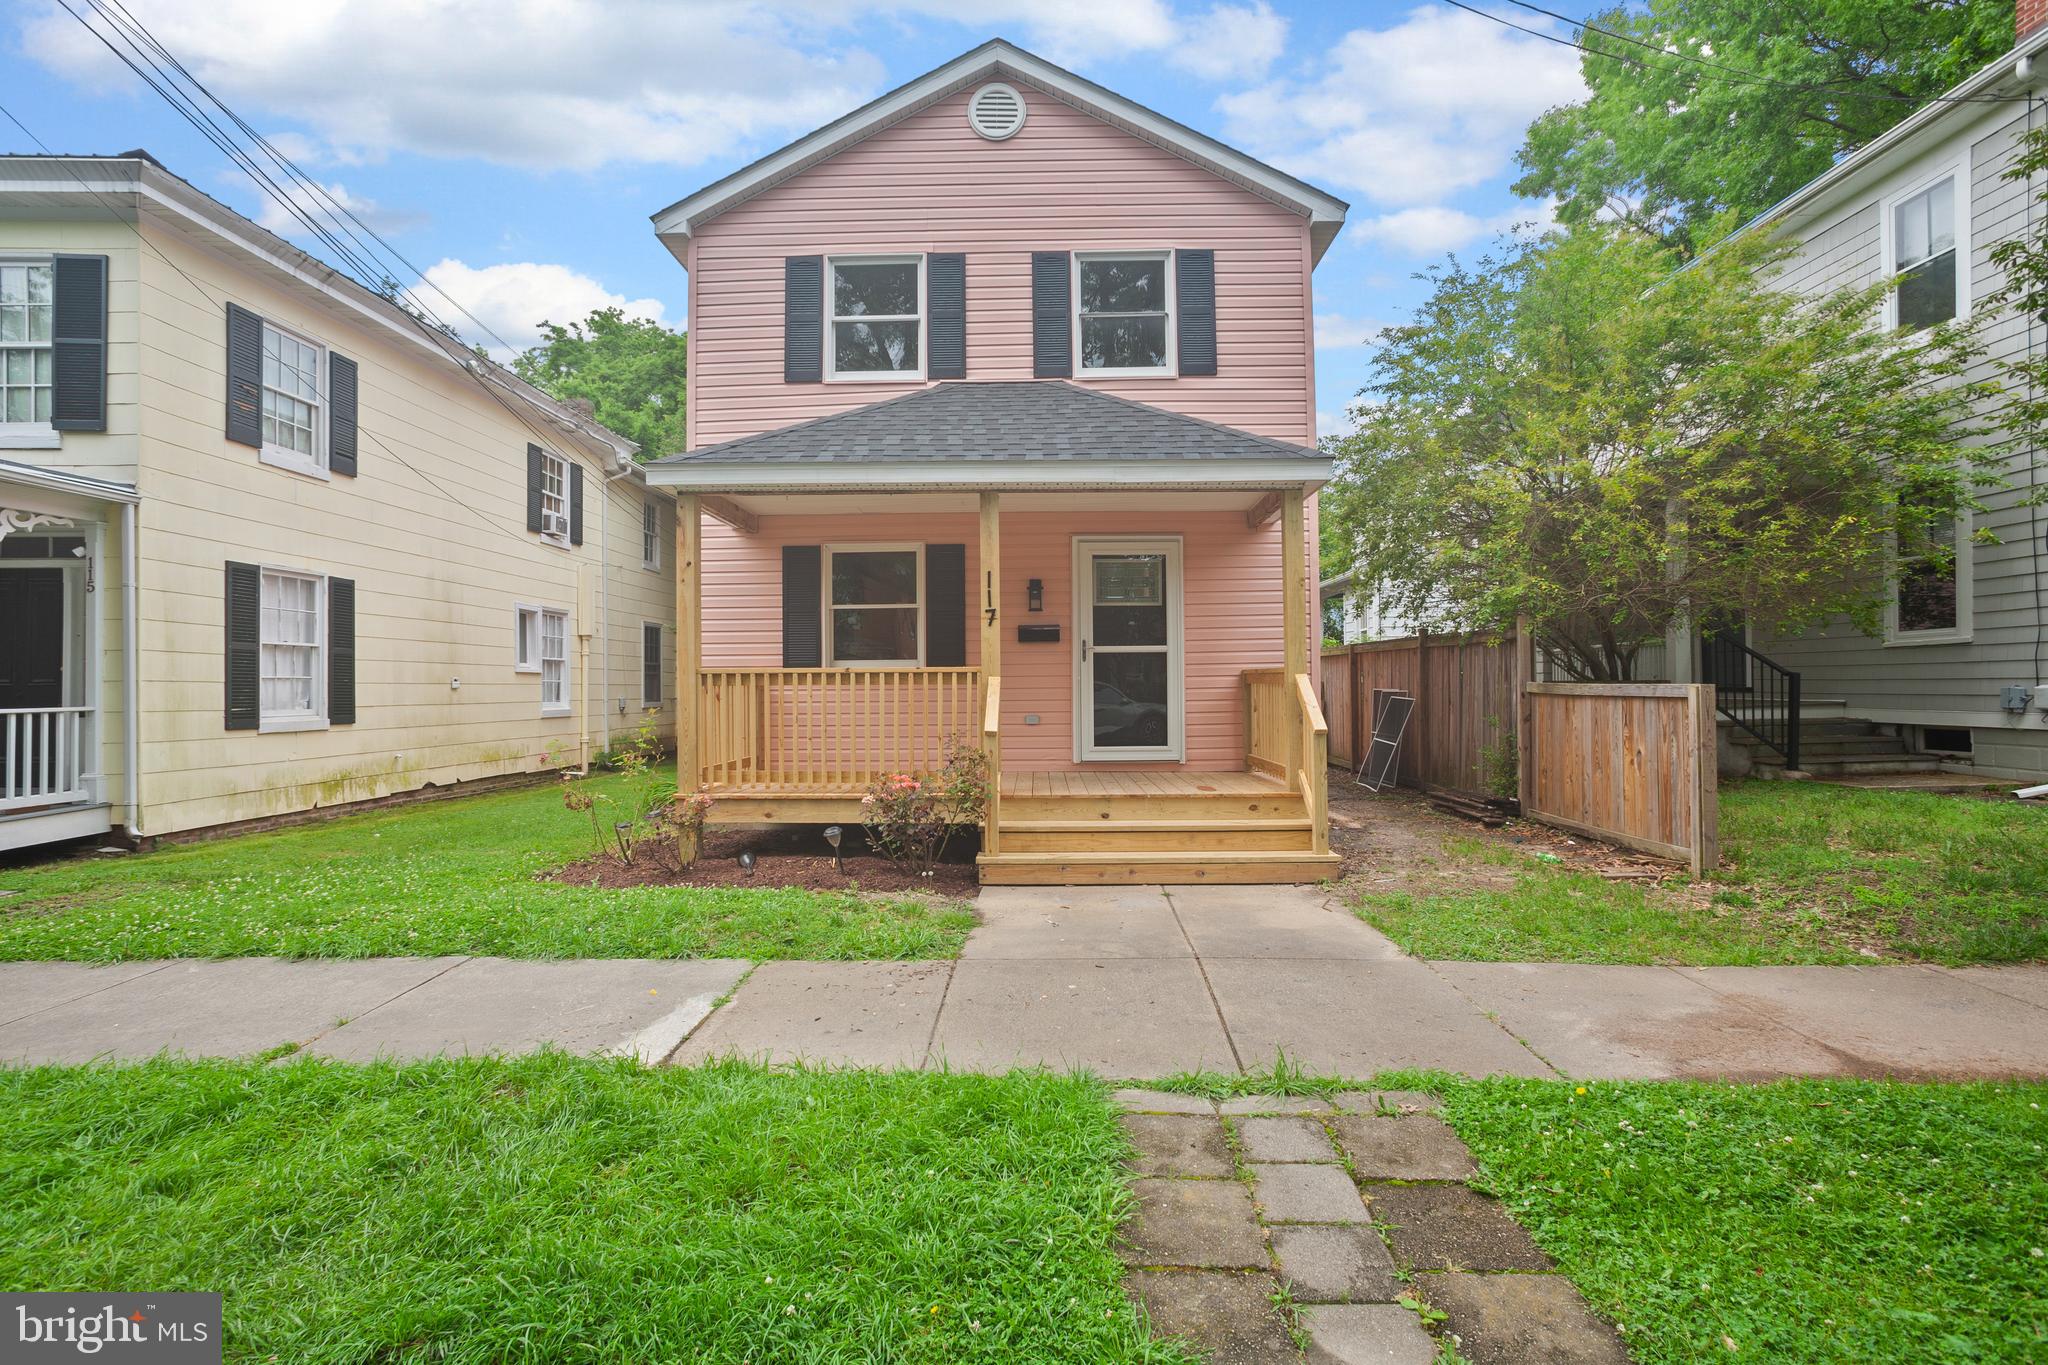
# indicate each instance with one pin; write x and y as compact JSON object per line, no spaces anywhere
{"x":1002,"y":423}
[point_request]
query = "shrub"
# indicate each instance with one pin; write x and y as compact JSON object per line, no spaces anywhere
{"x":912,"y":817}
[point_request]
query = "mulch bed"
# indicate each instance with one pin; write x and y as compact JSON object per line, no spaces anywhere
{"x":784,"y":855}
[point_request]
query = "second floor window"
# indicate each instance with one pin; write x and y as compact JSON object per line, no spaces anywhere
{"x":650,"y":534}
{"x":1123,"y":318}
{"x":554,"y":497}
{"x":1924,"y":256}
{"x":25,"y":303}
{"x":291,"y":397}
{"x":876,"y":317}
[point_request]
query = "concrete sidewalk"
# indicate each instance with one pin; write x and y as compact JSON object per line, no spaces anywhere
{"x":1134,"y":982}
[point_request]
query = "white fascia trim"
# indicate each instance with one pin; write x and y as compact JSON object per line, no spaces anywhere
{"x":857,"y":476}
{"x":1325,"y":212}
{"x":62,"y":481}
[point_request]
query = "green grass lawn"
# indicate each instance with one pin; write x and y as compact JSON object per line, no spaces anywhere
{"x":1811,"y":873}
{"x":1799,"y":1222}
{"x":554,"y":1209}
{"x":455,"y":876}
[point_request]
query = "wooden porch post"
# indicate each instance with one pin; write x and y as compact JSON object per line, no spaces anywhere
{"x":1293,"y":571}
{"x":989,"y":603}
{"x":689,"y":638}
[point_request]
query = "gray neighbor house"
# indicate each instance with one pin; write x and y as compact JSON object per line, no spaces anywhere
{"x":1958,"y":679}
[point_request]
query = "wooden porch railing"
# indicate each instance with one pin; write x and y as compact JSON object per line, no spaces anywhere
{"x":1287,"y":737}
{"x":42,"y":751}
{"x":829,"y":729}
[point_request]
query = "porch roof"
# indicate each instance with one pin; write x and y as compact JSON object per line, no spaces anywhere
{"x":998,"y":433}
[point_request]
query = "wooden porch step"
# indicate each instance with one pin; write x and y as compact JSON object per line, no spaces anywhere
{"x":1275,"y":804}
{"x":1176,"y":869}
{"x":1209,"y":837}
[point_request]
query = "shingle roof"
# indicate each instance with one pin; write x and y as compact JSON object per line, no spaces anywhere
{"x":990,"y":420}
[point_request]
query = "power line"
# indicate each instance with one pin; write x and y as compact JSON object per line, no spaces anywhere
{"x":1732,"y":73}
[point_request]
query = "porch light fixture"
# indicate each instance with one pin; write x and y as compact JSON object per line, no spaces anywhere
{"x":1034,"y":593}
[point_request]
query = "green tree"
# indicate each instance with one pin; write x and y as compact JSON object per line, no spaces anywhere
{"x":1667,"y":141}
{"x":630,"y":370}
{"x":1575,"y":433}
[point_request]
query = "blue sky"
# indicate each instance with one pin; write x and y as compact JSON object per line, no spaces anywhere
{"x":515,"y":148}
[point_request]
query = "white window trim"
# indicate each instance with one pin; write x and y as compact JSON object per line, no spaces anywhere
{"x":650,"y":537}
{"x":291,"y":460}
{"x":551,"y":537}
{"x":648,"y":703}
{"x":567,"y":705}
{"x":521,"y":611}
{"x":832,"y":373}
{"x":1959,"y":171}
{"x":1082,"y":605}
{"x":33,"y":435}
{"x":1964,"y":630}
{"x":267,"y":724}
{"x":825,"y":602}
{"x":1171,"y":368}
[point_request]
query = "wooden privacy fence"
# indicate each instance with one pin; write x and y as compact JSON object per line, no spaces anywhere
{"x":1463,"y":728}
{"x":1632,"y":763}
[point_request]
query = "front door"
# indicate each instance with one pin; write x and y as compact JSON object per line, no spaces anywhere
{"x":31,"y":638}
{"x":1127,"y":692}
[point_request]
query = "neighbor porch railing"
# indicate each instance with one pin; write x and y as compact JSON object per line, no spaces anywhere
{"x":1287,"y":737}
{"x":829,"y":730}
{"x":42,"y":753}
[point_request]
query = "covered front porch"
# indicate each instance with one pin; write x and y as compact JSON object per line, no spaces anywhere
{"x":1138,"y":678}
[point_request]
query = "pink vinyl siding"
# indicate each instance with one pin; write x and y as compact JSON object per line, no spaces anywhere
{"x":1067,"y":182}
{"x":1232,"y":621}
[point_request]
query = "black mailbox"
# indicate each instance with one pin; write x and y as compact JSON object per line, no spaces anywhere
{"x":1038,"y":635}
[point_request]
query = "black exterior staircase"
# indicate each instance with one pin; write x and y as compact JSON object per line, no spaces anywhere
{"x":1754,"y":691}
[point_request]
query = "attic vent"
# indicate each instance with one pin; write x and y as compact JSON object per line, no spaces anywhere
{"x":996,"y":112}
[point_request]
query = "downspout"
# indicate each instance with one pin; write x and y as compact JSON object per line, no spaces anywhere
{"x":131,"y":682}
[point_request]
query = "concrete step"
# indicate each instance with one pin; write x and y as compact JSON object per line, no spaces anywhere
{"x":1855,"y":765}
{"x":1173,"y":869}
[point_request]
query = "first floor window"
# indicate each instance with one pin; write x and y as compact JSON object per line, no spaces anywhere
{"x":526,"y":639}
{"x":874,"y":604}
{"x":1122,"y":319}
{"x":876,"y":316}
{"x":291,"y":397}
{"x":554,"y":663}
{"x":25,"y":366}
{"x":1924,"y":256}
{"x":554,"y":496}
{"x":1929,"y":588}
{"x":292,"y":638}
{"x":650,"y":534}
{"x":650,"y":663}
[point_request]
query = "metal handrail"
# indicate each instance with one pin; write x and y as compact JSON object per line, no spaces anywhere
{"x":1766,"y":704}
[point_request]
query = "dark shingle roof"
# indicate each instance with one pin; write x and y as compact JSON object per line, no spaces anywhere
{"x":1036,"y":419}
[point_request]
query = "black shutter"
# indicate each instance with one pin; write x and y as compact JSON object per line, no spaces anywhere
{"x":245,"y":377}
{"x":650,"y":664}
{"x":803,"y":643}
{"x":945,"y":606}
{"x":1195,"y":291}
{"x":244,"y":621}
{"x":533,"y":486}
{"x":945,"y":293}
{"x":803,"y":319}
{"x":341,"y":651}
{"x":341,"y":415}
{"x":78,"y":343}
{"x":1052,"y":321}
{"x":575,"y":503}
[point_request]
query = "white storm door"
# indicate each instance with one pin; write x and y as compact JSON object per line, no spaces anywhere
{"x":1128,"y":692}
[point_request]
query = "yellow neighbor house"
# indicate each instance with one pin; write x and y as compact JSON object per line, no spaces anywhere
{"x":269,"y":543}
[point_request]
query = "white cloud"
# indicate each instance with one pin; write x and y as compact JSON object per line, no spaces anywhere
{"x":1411,"y":114}
{"x":513,"y":299}
{"x":1434,"y":229}
{"x":1231,"y":42}
{"x":1335,"y":330}
{"x":575,"y":86}
{"x":1338,"y":424}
